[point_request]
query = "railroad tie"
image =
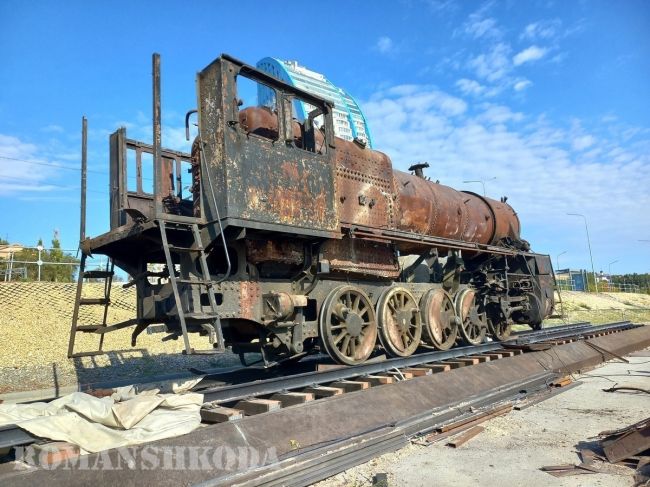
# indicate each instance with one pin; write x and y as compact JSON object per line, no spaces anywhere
{"x":251,"y":407}
{"x":292,"y":398}
{"x":324,"y":391}
{"x":220,"y":414}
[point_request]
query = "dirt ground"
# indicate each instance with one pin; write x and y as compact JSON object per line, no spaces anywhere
{"x":512,"y":448}
{"x":602,"y":307}
{"x":35,"y":325}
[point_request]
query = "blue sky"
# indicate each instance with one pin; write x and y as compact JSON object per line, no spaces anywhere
{"x":550,"y":97}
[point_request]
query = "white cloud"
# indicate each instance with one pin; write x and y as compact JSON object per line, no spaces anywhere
{"x":583,"y":142}
{"x":385,"y":45}
{"x":53,"y":128}
{"x":522,"y":84}
{"x":498,"y":114}
{"x":545,"y":169}
{"x":17,"y":175}
{"x":492,"y":65}
{"x":421,"y":99}
{"x":544,"y":29}
{"x":479,"y":26}
{"x":470,"y":86}
{"x":530,"y":54}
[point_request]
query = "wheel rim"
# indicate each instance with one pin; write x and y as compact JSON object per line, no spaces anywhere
{"x":399,"y":322}
{"x":438,"y":319}
{"x":472,"y":329}
{"x":348,"y":326}
{"x":500,"y":330}
{"x":498,"y":326}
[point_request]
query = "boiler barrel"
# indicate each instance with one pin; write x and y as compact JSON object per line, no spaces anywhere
{"x":438,"y":210}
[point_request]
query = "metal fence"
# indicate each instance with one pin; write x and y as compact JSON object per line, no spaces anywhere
{"x":623,"y":287}
{"x":33,"y":263}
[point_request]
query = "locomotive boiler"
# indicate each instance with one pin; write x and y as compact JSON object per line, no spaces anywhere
{"x":292,"y":240}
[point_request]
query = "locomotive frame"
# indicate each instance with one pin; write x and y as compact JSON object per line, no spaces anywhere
{"x":291,"y":239}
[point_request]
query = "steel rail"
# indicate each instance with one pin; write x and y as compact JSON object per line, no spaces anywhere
{"x":235,"y":392}
{"x":561,"y":334}
{"x":278,"y":384}
{"x":570,"y":326}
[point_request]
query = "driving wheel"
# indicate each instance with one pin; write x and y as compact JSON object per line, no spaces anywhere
{"x":400,"y":326}
{"x":347,"y":325}
{"x":472,"y":323}
{"x":439,"y":324}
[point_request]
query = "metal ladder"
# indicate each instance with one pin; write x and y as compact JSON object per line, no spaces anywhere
{"x":210,"y":322}
{"x":106,"y":274}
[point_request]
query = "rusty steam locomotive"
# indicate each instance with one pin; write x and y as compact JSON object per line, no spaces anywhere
{"x":291,"y":238}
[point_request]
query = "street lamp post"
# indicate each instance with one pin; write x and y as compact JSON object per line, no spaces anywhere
{"x":591,"y":257}
{"x":609,"y":267}
{"x":557,"y":268}
{"x":482,"y":181}
{"x":609,"y":271}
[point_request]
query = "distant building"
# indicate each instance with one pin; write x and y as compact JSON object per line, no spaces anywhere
{"x":571,"y":280}
{"x":349,"y":121}
{"x":7,"y":250}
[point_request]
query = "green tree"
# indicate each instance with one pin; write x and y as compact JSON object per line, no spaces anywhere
{"x":57,"y":265}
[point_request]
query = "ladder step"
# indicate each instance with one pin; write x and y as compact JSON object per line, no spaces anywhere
{"x":86,"y":354}
{"x":98,"y":274}
{"x":210,"y":351}
{"x":176,"y":248}
{"x":89,"y":328}
{"x":200,"y":316}
{"x":91,"y":301}
{"x":190,"y":281}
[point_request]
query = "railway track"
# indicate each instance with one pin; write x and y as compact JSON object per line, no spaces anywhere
{"x":227,"y":402}
{"x":232,"y":401}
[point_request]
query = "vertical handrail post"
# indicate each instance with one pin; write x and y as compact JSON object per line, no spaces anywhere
{"x":84,"y":178}
{"x":157,"y":168}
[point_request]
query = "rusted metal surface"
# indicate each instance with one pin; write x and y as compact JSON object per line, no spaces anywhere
{"x":434,"y":209}
{"x":284,"y":208}
{"x":249,"y":299}
{"x":282,"y":251}
{"x":258,"y":180}
{"x":438,"y":319}
{"x":365,"y":192}
{"x":400,"y":323}
{"x":361,"y":258}
{"x":627,"y":442}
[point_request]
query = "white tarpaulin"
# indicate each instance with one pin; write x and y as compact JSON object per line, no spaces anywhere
{"x":95,"y":424}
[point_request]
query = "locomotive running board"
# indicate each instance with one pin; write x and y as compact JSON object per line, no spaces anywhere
{"x":320,"y":438}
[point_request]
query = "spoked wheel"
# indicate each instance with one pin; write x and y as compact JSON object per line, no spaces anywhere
{"x":440,"y":328}
{"x":472,"y":323}
{"x":498,"y":325}
{"x":535,"y":313}
{"x":400,"y":326}
{"x":348,"y":327}
{"x":499,"y":328}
